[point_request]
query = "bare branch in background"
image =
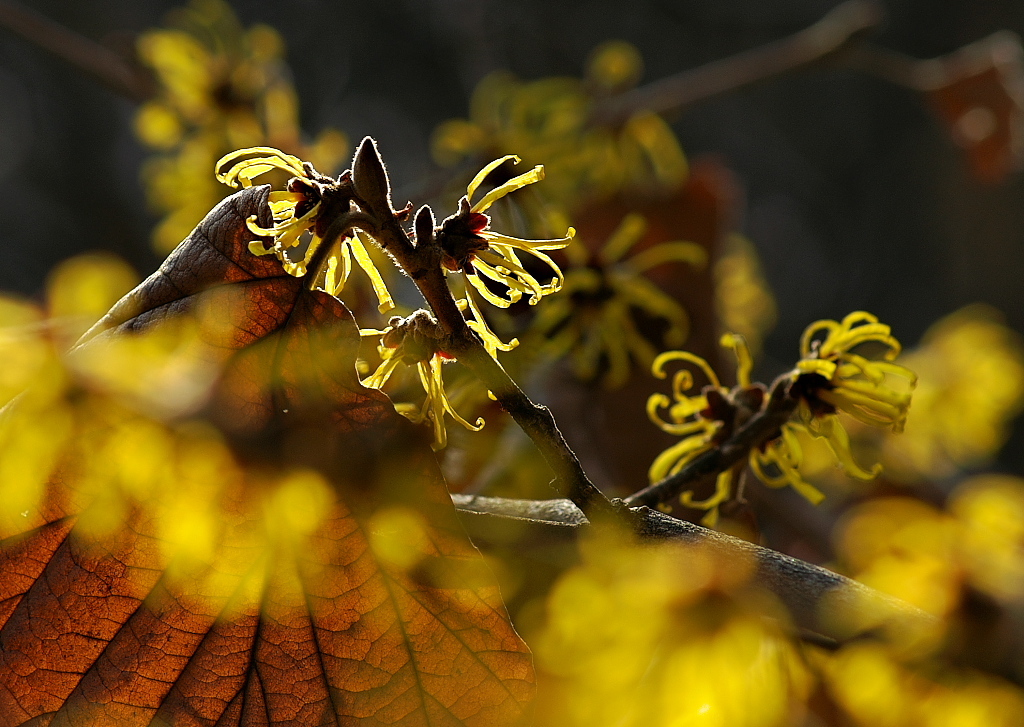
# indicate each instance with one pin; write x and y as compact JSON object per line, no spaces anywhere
{"x":818,"y":599}
{"x":842,"y":28}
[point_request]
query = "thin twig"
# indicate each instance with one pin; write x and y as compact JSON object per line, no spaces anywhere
{"x":87,"y":55}
{"x":842,"y":28}
{"x":818,"y":599}
{"x":761,"y":427}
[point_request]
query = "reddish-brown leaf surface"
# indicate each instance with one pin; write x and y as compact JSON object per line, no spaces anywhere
{"x":94,"y":632}
{"x":981,"y":99}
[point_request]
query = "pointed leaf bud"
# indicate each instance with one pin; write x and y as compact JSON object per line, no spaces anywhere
{"x":424,"y":226}
{"x":371,"y":178}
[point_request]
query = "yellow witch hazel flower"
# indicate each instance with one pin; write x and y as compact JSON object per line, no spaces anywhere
{"x":592,"y":318}
{"x":830,"y":377}
{"x":295,"y":213}
{"x":705,"y":420}
{"x":471,"y":247}
{"x":413,"y":341}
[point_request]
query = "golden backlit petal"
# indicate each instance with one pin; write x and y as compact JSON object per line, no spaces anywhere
{"x":378,"y":378}
{"x":816,"y":366}
{"x":479,"y":324}
{"x":870,"y":333}
{"x":482,"y":174}
{"x":289,"y":237}
{"x":490,"y":297}
{"x":500,"y":274}
{"x":430,"y":378}
{"x":846,"y":398}
{"x":256,"y":247}
{"x":534,"y":175}
{"x":760,"y":461}
{"x":812,"y":331}
{"x":245,"y":169}
{"x":512,"y":273}
{"x":557,"y":279}
{"x":871,"y":390}
{"x":285,"y":197}
{"x":837,"y":439}
{"x":658,"y":367}
{"x":723,"y":488}
{"x":522,"y":244}
{"x":362,"y":257}
{"x":876,"y":370}
{"x":676,"y":457}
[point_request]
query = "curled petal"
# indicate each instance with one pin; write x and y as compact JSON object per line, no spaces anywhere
{"x":245,"y":170}
{"x":482,"y":174}
{"x":816,"y":366}
{"x":677,"y":456}
{"x":781,"y":457}
{"x":811,"y":331}
{"x":831,"y":430}
{"x":723,"y":489}
{"x":658,"y":367}
{"x":491,"y":297}
{"x":534,"y":175}
{"x":378,"y":378}
{"x":744,"y":361}
{"x":557,"y":243}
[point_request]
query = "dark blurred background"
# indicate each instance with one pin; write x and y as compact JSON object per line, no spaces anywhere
{"x":856,"y":196}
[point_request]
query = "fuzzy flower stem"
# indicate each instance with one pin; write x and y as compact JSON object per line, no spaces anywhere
{"x":422,"y":262}
{"x":761,"y":427}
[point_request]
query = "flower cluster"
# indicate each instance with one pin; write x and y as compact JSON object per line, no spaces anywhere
{"x":295,"y":212}
{"x":413,"y":341}
{"x":301,"y":232}
{"x":830,"y":377}
{"x":471,"y":247}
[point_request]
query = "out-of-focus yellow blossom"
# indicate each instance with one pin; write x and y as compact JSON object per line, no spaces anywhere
{"x":971,"y":385}
{"x":591,"y":319}
{"x":924,"y":556}
{"x":828,"y":378}
{"x":412,"y":341}
{"x":553,"y":120}
{"x":876,"y":690}
{"x":295,"y":213}
{"x":104,"y":432}
{"x":662,"y":635}
{"x":990,"y":510}
{"x":743,"y":300}
{"x":471,"y":247}
{"x":937,"y":561}
{"x":906,"y":548}
{"x":221,"y":87}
